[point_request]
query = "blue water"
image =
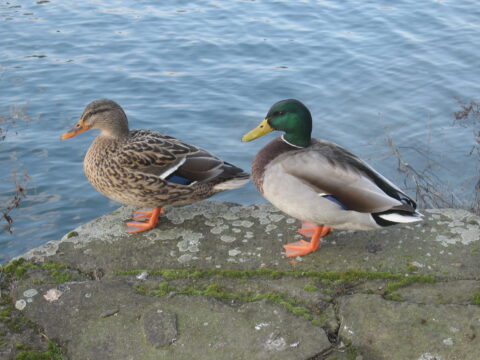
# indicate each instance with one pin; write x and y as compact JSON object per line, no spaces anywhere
{"x":207,"y":72}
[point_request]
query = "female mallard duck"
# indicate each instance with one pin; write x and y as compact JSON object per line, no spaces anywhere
{"x":320,"y":182}
{"x":146,"y":168}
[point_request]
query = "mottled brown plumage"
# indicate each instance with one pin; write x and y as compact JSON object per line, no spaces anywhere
{"x":146,"y":168}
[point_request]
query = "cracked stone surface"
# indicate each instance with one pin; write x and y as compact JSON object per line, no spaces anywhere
{"x":445,"y":331}
{"x":423,"y":307}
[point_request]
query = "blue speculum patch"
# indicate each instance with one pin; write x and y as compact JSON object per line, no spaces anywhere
{"x":331,"y":198}
{"x":178,"y":180}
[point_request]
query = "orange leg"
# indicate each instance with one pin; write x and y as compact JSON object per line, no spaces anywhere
{"x":150,"y":217}
{"x":302,"y":247}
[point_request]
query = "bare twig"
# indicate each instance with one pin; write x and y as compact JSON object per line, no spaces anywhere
{"x":14,"y":114}
{"x":430,"y":189}
{"x":469,"y":116}
{"x":14,"y":203}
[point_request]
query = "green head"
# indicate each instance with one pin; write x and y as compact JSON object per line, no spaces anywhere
{"x":290,"y":116}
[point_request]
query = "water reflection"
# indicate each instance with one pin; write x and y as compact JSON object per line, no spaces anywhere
{"x":206,"y":72}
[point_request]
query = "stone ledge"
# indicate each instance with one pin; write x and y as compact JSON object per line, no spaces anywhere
{"x":211,"y":282}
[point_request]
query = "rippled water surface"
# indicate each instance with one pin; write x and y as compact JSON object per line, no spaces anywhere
{"x":207,"y":72}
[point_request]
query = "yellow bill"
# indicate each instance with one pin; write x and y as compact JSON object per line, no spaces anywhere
{"x":262,"y":129}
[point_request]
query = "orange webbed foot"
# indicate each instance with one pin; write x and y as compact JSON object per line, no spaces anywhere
{"x":302,"y":247}
{"x":150,"y":220}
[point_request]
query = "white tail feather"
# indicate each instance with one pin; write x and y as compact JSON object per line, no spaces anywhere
{"x":231,"y":184}
{"x":399,"y":218}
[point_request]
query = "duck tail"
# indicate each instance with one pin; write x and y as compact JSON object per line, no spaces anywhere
{"x":232,"y":177}
{"x":232,"y":184}
{"x":393,"y":217}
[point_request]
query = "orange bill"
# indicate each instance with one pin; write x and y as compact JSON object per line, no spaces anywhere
{"x":78,"y":129}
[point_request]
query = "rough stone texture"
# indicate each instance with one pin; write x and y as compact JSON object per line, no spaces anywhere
{"x":380,"y":329}
{"x":160,"y":327}
{"x":207,"y":328}
{"x":289,"y":315}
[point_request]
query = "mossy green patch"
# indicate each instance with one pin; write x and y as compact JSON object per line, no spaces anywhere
{"x":336,"y":277}
{"x":393,"y":297}
{"x":60,"y":277}
{"x":13,"y":319}
{"x":310,"y":288}
{"x":141,"y":289}
{"x":162,"y":289}
{"x":408,"y":280}
{"x":53,"y":353}
{"x":22,"y":347}
{"x":412,"y":268}
{"x":475,"y":298}
{"x":58,"y":271}
{"x":217,"y":292}
{"x":72,"y":234}
{"x":52,"y":265}
{"x":336,"y":280}
{"x":17,"y":268}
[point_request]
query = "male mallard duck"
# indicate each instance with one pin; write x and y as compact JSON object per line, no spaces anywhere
{"x":321,"y":183}
{"x":145,"y":168}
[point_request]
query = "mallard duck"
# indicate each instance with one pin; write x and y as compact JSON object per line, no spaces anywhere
{"x":321,"y":183}
{"x":146,"y":168}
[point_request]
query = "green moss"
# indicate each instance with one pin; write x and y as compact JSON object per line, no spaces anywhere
{"x":13,"y":319}
{"x":408,"y":280}
{"x":60,"y":277}
{"x":216,"y":291}
{"x":57,"y":271}
{"x":141,"y":289}
{"x":352,"y":353}
{"x":72,"y":234}
{"x":17,"y":268}
{"x":475,"y":298}
{"x":53,"y":353}
{"x":393,"y":297}
{"x":338,"y":277}
{"x":411,"y":268}
{"x":163,"y":289}
{"x":52,"y":265}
